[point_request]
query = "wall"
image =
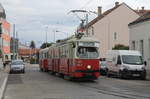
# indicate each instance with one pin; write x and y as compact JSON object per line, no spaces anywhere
{"x":117,"y":21}
{"x":141,"y":31}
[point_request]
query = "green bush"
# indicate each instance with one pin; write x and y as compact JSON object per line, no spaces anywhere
{"x":120,"y":47}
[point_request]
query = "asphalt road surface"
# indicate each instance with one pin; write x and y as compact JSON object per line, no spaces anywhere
{"x":39,"y":85}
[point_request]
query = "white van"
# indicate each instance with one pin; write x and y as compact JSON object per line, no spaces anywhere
{"x":125,"y":63}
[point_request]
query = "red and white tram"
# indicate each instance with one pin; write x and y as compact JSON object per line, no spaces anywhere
{"x":75,"y":57}
{"x":43,"y":62}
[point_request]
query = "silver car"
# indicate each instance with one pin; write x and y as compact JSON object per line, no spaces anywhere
{"x":17,"y":66}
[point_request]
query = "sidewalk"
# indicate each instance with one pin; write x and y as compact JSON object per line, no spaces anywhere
{"x":3,"y":80}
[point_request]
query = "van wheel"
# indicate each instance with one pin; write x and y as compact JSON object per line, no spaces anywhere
{"x":23,"y":71}
{"x":66,"y":77}
{"x":120,"y":75}
{"x":143,"y":77}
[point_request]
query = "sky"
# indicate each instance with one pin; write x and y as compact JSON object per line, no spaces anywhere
{"x":36,"y":19}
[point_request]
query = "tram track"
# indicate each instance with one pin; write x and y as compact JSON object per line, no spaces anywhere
{"x":115,"y":93}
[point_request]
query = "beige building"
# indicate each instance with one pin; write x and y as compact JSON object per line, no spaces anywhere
{"x":140,"y":36}
{"x":111,"y":27}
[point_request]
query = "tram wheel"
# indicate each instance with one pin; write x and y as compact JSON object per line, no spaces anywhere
{"x":67,"y":77}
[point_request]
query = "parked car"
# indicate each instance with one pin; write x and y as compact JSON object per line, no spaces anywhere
{"x":17,"y":66}
{"x":125,"y":63}
{"x":103,"y":68}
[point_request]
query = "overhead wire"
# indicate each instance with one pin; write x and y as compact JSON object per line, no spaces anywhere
{"x":86,"y":4}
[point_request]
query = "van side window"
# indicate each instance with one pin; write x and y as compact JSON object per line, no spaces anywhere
{"x":119,"y":60}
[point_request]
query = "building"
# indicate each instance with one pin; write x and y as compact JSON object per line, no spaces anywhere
{"x":26,"y":53}
{"x":140,"y":36}
{"x":111,"y":27}
{"x":14,"y":44}
{"x":4,"y":35}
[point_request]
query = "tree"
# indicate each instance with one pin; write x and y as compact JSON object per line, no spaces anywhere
{"x":1,"y":54}
{"x":120,"y":47}
{"x":32,"y":44}
{"x":44,"y":45}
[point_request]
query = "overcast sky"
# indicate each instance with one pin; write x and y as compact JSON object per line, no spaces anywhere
{"x":32,"y":17}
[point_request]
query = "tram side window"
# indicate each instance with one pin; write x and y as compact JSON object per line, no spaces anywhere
{"x":44,"y":55}
{"x":49,"y":54}
{"x":56,"y":51}
{"x":67,"y":51}
{"x":64,"y":52}
{"x":71,"y":55}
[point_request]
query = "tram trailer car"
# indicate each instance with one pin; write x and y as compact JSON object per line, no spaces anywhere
{"x":76,"y":57}
{"x":43,"y":59}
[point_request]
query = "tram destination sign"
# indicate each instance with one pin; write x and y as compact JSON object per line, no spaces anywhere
{"x":89,"y":44}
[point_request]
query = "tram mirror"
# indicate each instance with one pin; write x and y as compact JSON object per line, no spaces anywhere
{"x":73,"y":45}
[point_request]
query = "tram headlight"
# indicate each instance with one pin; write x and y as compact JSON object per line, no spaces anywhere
{"x":89,"y":67}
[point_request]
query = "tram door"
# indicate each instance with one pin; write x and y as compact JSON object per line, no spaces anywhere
{"x":70,"y":58}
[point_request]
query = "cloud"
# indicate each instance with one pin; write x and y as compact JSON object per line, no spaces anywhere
{"x":32,"y":16}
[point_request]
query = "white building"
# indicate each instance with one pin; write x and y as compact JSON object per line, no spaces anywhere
{"x":111,"y":27}
{"x":140,"y":36}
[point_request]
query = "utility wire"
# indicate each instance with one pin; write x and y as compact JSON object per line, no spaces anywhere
{"x":86,"y":4}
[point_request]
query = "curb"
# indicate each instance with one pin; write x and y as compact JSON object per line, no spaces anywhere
{"x":2,"y":89}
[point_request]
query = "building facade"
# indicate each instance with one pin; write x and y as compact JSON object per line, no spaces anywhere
{"x":111,"y":27}
{"x":4,"y":35}
{"x":140,"y":36}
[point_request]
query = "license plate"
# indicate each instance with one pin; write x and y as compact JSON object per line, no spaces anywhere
{"x":135,"y":75}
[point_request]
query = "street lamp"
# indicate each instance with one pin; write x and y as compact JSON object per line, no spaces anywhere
{"x":62,"y":32}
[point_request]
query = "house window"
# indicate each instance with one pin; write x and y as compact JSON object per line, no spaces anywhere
{"x":133,"y":45}
{"x":142,"y":47}
{"x":115,"y":36}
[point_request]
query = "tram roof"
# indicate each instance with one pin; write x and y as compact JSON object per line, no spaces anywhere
{"x":44,"y":50}
{"x":84,"y":38}
{"x":73,"y":38}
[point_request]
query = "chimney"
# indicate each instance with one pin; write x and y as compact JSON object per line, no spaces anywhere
{"x":99,"y":10}
{"x":116,"y":4}
{"x":142,"y":8}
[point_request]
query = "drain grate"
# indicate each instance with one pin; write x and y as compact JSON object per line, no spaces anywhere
{"x":14,"y":79}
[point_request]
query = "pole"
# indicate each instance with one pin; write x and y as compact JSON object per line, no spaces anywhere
{"x":46,"y":35}
{"x":87,"y":24}
{"x":54,"y":36}
{"x":13,"y":41}
{"x":16,"y":41}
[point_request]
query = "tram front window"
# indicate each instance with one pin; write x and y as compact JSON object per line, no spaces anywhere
{"x":87,"y":52}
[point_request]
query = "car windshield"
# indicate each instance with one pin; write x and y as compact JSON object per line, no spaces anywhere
{"x":132,"y":59}
{"x":17,"y":63}
{"x":87,"y":52}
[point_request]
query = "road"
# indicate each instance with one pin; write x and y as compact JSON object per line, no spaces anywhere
{"x":39,"y":85}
